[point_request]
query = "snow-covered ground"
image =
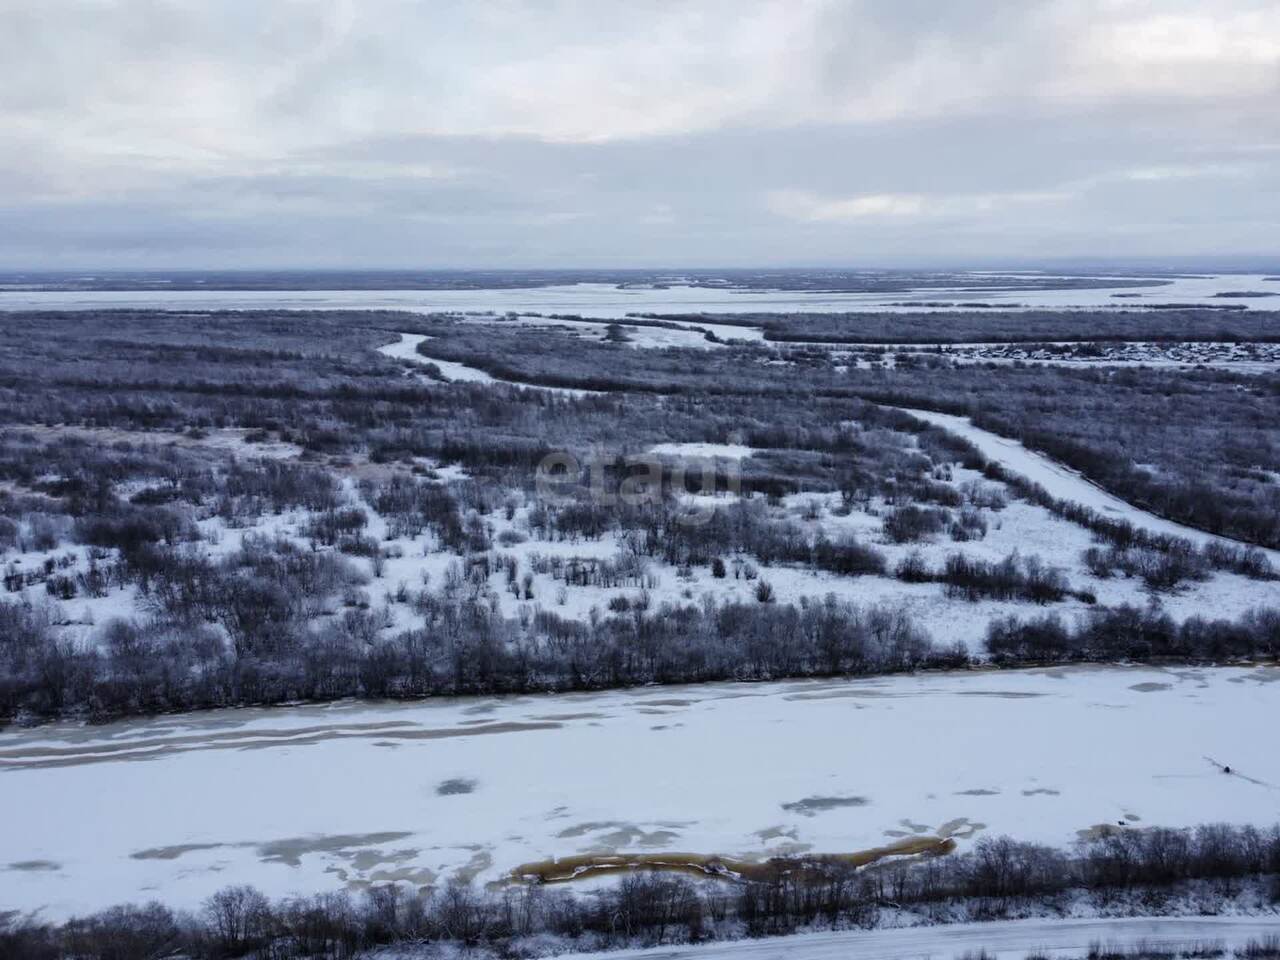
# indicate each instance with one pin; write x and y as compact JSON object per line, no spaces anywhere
{"x":1250,"y":357}
{"x":1019,"y":526}
{"x":1062,"y":481}
{"x":717,"y":451}
{"x":301,"y":799}
{"x":608,"y":301}
{"x":1003,"y":939}
{"x":638,"y":335}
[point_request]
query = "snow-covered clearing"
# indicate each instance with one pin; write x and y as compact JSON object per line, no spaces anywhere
{"x":719,"y":451}
{"x":1062,"y":481}
{"x":1004,"y":939}
{"x":639,"y":335}
{"x":315,"y":797}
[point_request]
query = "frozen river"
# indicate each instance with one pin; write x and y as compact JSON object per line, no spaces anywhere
{"x":296,"y":800}
{"x":609,"y":301}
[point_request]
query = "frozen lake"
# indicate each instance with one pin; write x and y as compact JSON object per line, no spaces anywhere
{"x":310,"y":798}
{"x":608,"y":301}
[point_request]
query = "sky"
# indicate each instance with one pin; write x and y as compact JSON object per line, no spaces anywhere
{"x":635,"y":133}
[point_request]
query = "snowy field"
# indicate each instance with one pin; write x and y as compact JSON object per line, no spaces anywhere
{"x":1002,"y":940}
{"x":608,"y":301}
{"x":317,"y":797}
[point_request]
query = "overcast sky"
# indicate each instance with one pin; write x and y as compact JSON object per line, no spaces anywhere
{"x":367,"y":133}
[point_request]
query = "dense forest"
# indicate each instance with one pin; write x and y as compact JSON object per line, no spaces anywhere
{"x":147,"y":456}
{"x":1197,"y":446}
{"x":965,"y":324}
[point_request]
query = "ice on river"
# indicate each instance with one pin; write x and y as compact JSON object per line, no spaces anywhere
{"x":302,"y":799}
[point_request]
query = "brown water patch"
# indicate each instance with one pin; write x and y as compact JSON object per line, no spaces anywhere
{"x":34,"y":865}
{"x":978,"y":792}
{"x":1150,"y":686}
{"x":454,"y":787}
{"x":812,"y":806}
{"x":721,"y":868}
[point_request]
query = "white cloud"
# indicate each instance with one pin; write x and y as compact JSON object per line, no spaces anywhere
{"x":804,"y":205}
{"x":1188,"y":171}
{"x":648,"y":114}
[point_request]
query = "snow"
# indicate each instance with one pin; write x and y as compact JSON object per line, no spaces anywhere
{"x":723,"y":451}
{"x":1020,"y":526}
{"x":1008,"y":939}
{"x":313,"y":797}
{"x":1243,"y":357}
{"x":609,"y":301}
{"x":407,"y":349}
{"x":640,"y":336}
{"x":1062,"y":481}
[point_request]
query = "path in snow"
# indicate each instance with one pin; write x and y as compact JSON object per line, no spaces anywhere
{"x":1012,"y":939}
{"x":1066,"y":483}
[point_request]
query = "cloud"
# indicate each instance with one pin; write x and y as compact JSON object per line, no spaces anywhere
{"x":385,"y":128}
{"x":806,"y":206}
